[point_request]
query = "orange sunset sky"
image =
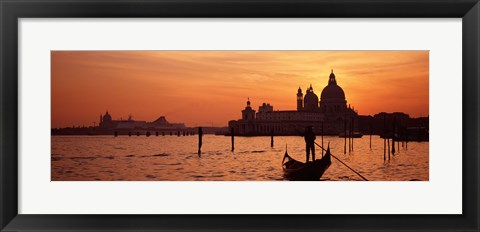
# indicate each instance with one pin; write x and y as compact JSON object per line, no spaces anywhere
{"x":205,"y":88}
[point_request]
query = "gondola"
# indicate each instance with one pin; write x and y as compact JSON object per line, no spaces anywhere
{"x":296,"y":170}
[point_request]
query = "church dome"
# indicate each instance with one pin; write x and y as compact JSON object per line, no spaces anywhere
{"x":332,"y":90}
{"x":311,"y":97}
{"x":107,"y":117}
{"x":310,"y":100}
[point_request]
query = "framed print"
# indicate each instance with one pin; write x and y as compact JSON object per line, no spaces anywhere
{"x":278,"y":115}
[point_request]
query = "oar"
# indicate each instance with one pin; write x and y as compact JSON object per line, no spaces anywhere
{"x":342,"y":162}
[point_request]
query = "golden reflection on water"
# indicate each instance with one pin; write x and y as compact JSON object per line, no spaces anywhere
{"x":140,"y":158}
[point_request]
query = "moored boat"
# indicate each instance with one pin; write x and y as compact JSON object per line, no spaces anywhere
{"x":296,"y":170}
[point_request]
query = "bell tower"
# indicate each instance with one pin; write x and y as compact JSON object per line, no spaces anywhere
{"x":299,"y":99}
{"x":248,"y":114}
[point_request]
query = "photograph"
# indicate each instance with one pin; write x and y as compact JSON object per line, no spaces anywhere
{"x":239,"y":115}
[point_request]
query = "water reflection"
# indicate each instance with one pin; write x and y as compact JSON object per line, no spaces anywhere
{"x":88,"y":158}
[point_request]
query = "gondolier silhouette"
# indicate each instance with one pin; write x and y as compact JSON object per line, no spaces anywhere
{"x":310,"y":142}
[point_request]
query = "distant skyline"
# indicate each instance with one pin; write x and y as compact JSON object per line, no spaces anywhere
{"x":205,"y":88}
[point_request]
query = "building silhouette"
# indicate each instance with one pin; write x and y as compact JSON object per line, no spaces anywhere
{"x":330,"y":114}
{"x":395,"y":124}
{"x":107,"y":123}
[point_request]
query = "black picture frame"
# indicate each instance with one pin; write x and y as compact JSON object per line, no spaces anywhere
{"x":11,"y":11}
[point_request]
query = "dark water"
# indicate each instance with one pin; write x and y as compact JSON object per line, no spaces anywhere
{"x":89,"y":158}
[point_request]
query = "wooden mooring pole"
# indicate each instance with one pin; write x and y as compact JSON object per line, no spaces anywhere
{"x":271,"y":138}
{"x":351,"y":133}
{"x":393,"y":137}
{"x":200,"y":135}
{"x":388,"y":147}
{"x":349,"y":138}
{"x":406,"y":139}
{"x":233,"y":138}
{"x":384,"y":136}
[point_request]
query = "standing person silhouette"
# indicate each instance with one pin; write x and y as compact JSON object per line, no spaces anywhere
{"x":200,"y":135}
{"x":310,"y":142}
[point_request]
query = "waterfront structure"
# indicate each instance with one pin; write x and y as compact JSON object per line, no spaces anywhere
{"x":106,"y":122}
{"x":397,"y":124}
{"x":329,"y":114}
